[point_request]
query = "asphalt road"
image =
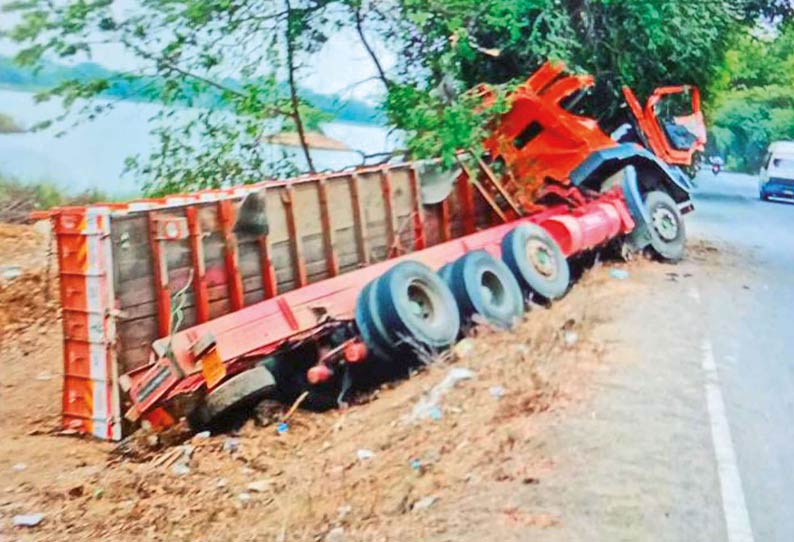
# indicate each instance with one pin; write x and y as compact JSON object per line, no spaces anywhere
{"x":748,"y":319}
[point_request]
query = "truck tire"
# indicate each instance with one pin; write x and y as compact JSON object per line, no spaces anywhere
{"x":369,"y":324}
{"x":537,"y":261}
{"x":484,"y":285}
{"x":241,"y":390}
{"x":666,"y":227}
{"x":417,"y":308}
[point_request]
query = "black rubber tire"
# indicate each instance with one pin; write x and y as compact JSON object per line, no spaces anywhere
{"x":370,"y":326}
{"x":243,"y":389}
{"x":547,"y":280}
{"x":666,"y":228}
{"x":414,"y":304}
{"x":484,"y":285}
{"x":446,"y":273}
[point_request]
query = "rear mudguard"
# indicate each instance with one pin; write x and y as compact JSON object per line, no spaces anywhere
{"x":651,"y":172}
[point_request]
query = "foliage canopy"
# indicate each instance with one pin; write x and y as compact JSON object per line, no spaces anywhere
{"x":251,"y":55}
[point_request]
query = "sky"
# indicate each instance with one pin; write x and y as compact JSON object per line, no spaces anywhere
{"x":338,"y":67}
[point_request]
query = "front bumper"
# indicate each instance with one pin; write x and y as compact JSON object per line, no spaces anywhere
{"x":778,"y":190}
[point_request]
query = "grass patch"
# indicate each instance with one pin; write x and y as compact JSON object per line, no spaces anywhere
{"x":18,"y":199}
{"x":9,"y":126}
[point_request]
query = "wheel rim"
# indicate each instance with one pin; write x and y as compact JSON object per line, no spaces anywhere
{"x":541,"y":258}
{"x":492,"y":289}
{"x":422,"y":303}
{"x":665,"y":223}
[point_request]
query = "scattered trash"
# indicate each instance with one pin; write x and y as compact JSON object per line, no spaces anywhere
{"x":259,"y":486}
{"x":464,"y":348}
{"x":44,"y":377}
{"x":282,"y":428}
{"x":337,"y":534}
{"x":28,"y":520}
{"x":416,"y":464}
{"x":244,"y":497}
{"x":98,"y":492}
{"x":424,"y":503}
{"x":364,"y":454}
{"x":344,"y":510}
{"x":231,"y":445}
{"x":497,"y":392}
{"x":220,"y":483}
{"x":570,"y":338}
{"x":435,"y":413}
{"x":180,"y":469}
{"x":619,"y":274}
{"x":19,"y":467}
{"x":429,"y":405}
{"x":10,"y":272}
{"x":201,"y":436}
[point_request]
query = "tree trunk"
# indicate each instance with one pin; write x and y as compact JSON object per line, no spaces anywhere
{"x":293,"y":91}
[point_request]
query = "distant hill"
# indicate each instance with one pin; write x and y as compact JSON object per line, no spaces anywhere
{"x":139,"y":89}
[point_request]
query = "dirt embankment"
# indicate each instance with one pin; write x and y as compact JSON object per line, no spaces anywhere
{"x":370,"y":472}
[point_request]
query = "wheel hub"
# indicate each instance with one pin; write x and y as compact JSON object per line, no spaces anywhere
{"x":665,"y":223}
{"x":541,"y":258}
{"x":420,"y":302}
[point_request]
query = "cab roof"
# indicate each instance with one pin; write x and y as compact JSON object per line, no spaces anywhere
{"x":782,"y":147}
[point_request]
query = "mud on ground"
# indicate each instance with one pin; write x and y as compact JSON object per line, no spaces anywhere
{"x":368,"y":472}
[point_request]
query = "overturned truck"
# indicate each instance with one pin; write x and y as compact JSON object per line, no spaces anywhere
{"x":195,"y":304}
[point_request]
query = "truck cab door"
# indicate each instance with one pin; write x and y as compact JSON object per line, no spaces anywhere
{"x":671,"y":122}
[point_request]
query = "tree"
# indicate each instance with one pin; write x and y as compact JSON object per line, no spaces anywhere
{"x":754,"y":97}
{"x":247,"y":55}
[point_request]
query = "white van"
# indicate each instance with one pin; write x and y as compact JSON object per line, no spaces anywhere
{"x":776,"y":179}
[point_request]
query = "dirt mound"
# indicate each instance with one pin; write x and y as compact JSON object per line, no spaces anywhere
{"x":28,"y":287}
{"x":433,"y":457}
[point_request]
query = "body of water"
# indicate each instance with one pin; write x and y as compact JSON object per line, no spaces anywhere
{"x":91,"y":154}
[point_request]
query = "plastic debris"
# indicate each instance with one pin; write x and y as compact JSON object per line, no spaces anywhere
{"x":416,"y":464}
{"x":19,"y":467}
{"x":463,"y":348}
{"x":497,"y":392}
{"x":231,"y":445}
{"x":259,"y":486}
{"x":282,"y":428}
{"x":571,"y":338}
{"x":10,"y":272}
{"x":28,"y":520}
{"x":425,"y":502}
{"x":201,"y":436}
{"x":430,"y":405}
{"x":337,"y":534}
{"x":344,"y":510}
{"x":180,"y":469}
{"x":364,"y":454}
{"x":435,"y":413}
{"x":220,"y":483}
{"x":619,"y":274}
{"x":244,"y":497}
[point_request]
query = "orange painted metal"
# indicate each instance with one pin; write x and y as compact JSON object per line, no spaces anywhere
{"x":388,"y":208}
{"x":538,"y":139}
{"x":269,"y":281}
{"x":90,"y":396}
{"x":651,"y":128}
{"x":234,"y":281}
{"x":199,"y":272}
{"x":331,"y":260}
{"x":160,"y":274}
{"x":417,"y":210}
{"x":296,"y":245}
